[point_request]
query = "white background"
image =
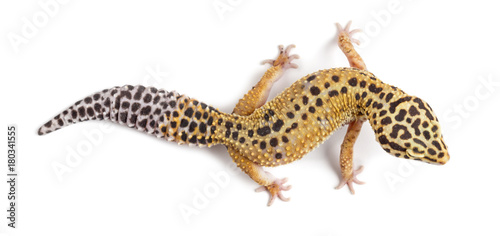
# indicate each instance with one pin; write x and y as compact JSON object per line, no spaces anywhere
{"x":129,"y":183}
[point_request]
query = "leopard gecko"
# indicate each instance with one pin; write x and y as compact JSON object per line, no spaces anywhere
{"x":259,"y":134}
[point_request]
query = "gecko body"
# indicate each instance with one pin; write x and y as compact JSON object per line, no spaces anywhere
{"x":282,"y":130}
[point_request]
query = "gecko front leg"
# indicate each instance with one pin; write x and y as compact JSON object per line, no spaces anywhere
{"x":255,"y":98}
{"x":346,"y":151}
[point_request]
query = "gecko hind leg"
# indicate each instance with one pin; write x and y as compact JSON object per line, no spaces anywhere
{"x":255,"y":98}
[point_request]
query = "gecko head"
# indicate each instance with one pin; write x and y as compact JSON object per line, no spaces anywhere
{"x":409,"y":129}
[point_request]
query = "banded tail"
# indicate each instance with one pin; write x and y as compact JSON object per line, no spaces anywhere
{"x":154,"y":111}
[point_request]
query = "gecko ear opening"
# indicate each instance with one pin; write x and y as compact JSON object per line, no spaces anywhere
{"x":414,"y":153}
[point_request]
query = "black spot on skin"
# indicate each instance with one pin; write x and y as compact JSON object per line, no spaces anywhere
{"x":173,"y":124}
{"x":389,"y":97}
{"x":264,"y":131}
{"x":335,"y":78}
{"x":123,"y":117}
{"x":87,"y":100}
{"x":297,"y":107}
{"x":364,"y":94}
{"x":146,"y":110}
{"x":81,"y":111}
{"x":202,"y":140}
{"x":156,"y":100}
{"x":343,"y":90}
{"x":250,"y":133}
{"x":396,"y":147}
{"x":181,"y":106}
{"x":172,"y":104}
{"x":431,"y":151}
{"x":408,"y":120}
{"x":312,"y":109}
{"x":425,"y":124}
{"x":205,"y":115}
{"x":387,"y":120}
{"x":295,"y":125}
{"x":382,"y":113}
{"x":184,"y":136}
{"x":278,"y":156}
{"x":311,"y":78}
{"x":74,"y":114}
{"x":357,"y":96}
{"x":434,"y":128}
{"x":192,"y":126}
{"x":143,"y":123}
{"x":135,"y":107}
{"x":290,"y":115}
{"x":210,"y":121}
{"x":368,"y":102}
{"x":277,"y":125}
{"x":164,"y":129}
{"x":374,"y":115}
{"x":418,"y":141}
{"x":401,"y":115}
{"x":238,"y":126}
{"x":203,"y":105}
{"x":254,"y":142}
{"x":60,"y":122}
{"x":333,"y":93}
{"x":383,"y":139}
{"x":133,"y":119}
{"x":422,"y":106}
{"x":436,"y":144}
{"x":413,"y":111}
{"x":362,"y":84}
{"x":273,"y":142}
{"x":327,"y":85}
{"x":284,"y":139}
{"x":319,"y":102}
{"x":229,"y":125}
{"x":415,"y":125}
{"x":375,"y":104}
{"x":266,"y":117}
{"x":395,"y":130}
{"x":263,"y":145}
{"x":184,"y":123}
{"x":90,"y":111}
{"x":228,"y":133}
{"x":235,"y":135}
{"x":380,"y":130}
{"x":219,"y":121}
{"x":189,"y":112}
{"x":242,"y":140}
{"x":147,"y":98}
{"x":381,"y":96}
{"x":373,"y":78}
{"x":441,"y":155}
{"x":125,"y":105}
{"x":373,"y":88}
{"x":305,"y":100}
{"x":271,"y":112}
{"x":427,"y":135}
{"x":353,"y":81}
{"x":197,"y":115}
{"x":138,"y":94}
{"x":393,"y":105}
{"x":304,"y":116}
{"x":193,"y":139}
{"x":202,"y":127}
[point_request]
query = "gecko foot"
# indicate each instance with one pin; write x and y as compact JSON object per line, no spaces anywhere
{"x":350,"y":180}
{"x":275,"y":189}
{"x":344,"y":32}
{"x":284,"y":58}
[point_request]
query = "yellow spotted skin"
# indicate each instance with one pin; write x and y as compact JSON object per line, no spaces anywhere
{"x":305,"y":114}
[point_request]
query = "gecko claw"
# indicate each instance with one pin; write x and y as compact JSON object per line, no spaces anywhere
{"x":284,"y":58}
{"x":344,"y":32}
{"x":352,"y":179}
{"x":275,"y":189}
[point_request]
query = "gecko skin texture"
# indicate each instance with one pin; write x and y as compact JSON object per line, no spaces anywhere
{"x":259,"y":134}
{"x":282,"y":130}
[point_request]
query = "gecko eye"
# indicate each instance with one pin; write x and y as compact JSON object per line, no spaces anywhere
{"x":415,"y":153}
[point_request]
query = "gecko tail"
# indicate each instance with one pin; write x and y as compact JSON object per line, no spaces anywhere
{"x":134,"y":106}
{"x":158,"y":112}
